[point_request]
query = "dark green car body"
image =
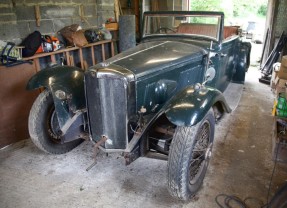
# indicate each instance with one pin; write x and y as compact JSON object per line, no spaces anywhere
{"x":122,"y":98}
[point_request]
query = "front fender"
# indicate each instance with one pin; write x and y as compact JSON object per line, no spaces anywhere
{"x":67,"y":79}
{"x":190,"y":106}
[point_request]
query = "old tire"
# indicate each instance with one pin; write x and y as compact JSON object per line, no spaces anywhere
{"x":189,"y":157}
{"x":43,"y":126}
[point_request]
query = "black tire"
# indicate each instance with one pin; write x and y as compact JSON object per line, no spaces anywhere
{"x":187,"y":165}
{"x":279,"y":200}
{"x":43,"y":126}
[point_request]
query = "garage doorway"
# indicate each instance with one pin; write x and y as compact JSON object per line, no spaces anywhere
{"x":250,"y":16}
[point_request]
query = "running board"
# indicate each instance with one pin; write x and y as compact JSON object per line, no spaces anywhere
{"x":232,"y":95}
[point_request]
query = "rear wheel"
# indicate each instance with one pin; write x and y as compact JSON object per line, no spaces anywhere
{"x":44,"y":128}
{"x":189,"y":157}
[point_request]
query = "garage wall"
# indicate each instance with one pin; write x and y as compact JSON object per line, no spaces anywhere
{"x":276,"y":22}
{"x":17,"y":17}
{"x":280,"y":17}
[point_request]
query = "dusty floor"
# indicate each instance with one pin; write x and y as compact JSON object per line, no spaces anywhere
{"x":241,"y":165}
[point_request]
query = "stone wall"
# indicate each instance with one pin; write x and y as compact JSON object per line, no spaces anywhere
{"x":280,"y":18}
{"x":17,"y":17}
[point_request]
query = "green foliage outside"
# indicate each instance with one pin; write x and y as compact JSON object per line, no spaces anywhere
{"x":233,"y":9}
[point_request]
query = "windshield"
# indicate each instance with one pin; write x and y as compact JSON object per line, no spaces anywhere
{"x":207,"y":26}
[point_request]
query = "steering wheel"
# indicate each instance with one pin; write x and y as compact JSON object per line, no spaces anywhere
{"x":165,"y":29}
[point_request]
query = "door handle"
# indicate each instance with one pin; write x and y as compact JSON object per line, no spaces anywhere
{"x":221,"y":54}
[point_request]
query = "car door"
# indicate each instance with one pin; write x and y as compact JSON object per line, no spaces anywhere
{"x":225,"y":58}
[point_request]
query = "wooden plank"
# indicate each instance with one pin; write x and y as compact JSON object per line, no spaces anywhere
{"x":112,"y":48}
{"x":103,"y":52}
{"x":86,"y":66}
{"x":15,"y":102}
{"x":39,"y":55}
{"x":72,"y":62}
{"x":137,"y":14}
{"x":93,"y":55}
{"x":81,"y":58}
{"x":68,"y":58}
{"x":37,"y":15}
{"x":53,"y":58}
{"x":37,"y":64}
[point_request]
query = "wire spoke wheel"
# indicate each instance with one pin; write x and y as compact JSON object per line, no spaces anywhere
{"x":189,"y":157}
{"x":200,"y":153}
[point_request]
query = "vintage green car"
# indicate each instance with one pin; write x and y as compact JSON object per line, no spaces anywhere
{"x":160,"y":99}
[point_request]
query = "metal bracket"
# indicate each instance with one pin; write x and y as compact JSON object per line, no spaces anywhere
{"x":96,"y":147}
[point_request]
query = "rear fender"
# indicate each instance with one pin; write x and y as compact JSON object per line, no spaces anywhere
{"x":190,"y":106}
{"x":243,"y":62}
{"x":67,"y":79}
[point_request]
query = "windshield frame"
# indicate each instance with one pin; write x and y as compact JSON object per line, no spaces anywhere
{"x":219,"y":15}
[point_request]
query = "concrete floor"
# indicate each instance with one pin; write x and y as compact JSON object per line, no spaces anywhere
{"x":241,"y":165}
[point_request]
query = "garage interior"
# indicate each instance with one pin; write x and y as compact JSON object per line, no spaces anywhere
{"x":243,"y":163}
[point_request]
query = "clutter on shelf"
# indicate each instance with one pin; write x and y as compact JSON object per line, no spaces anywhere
{"x":69,"y":36}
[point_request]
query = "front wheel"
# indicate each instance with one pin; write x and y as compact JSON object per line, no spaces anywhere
{"x":189,"y":157}
{"x":44,"y":128}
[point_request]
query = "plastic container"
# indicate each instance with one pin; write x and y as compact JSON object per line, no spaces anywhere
{"x":281,"y":107}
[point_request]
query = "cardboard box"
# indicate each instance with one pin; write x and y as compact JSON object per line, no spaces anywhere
{"x":279,"y":140}
{"x":279,"y":85}
{"x":280,"y":82}
{"x":273,"y":77}
{"x":283,"y":68}
{"x":278,"y":90}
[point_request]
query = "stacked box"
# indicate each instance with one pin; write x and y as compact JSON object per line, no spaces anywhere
{"x":283,"y":68}
{"x":279,"y":77}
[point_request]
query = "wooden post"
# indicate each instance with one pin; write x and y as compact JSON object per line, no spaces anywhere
{"x":103,"y":52}
{"x":82,"y":13}
{"x":37,"y":64}
{"x":117,"y":10}
{"x":37,"y":15}
{"x":112,"y":48}
{"x":81,"y":58}
{"x":68,"y":58}
{"x":93,"y":55}
{"x":53,"y":58}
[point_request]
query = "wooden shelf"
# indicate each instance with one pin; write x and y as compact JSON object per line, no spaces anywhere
{"x":70,"y":58}
{"x":40,"y":55}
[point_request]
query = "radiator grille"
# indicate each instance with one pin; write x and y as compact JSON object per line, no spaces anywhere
{"x":107,"y":109}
